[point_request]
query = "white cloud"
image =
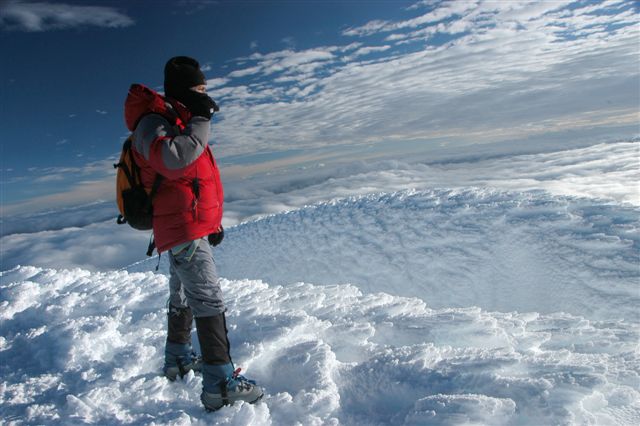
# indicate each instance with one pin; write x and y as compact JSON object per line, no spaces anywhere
{"x":368,"y":50}
{"x":284,"y":60}
{"x":49,"y":178}
{"x":289,"y":66}
{"x":80,"y":193}
{"x":351,"y":46}
{"x":291,"y":60}
{"x":90,"y":247}
{"x":53,"y":219}
{"x":506,"y":67}
{"x":42,"y":16}
{"x":245,"y":72}
{"x":102,"y":112}
{"x":216,"y":82}
{"x":76,"y":185}
{"x":423,"y":3}
{"x":370,"y":27}
{"x":445,"y":10}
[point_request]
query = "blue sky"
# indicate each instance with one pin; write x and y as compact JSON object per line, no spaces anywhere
{"x":299,"y":81}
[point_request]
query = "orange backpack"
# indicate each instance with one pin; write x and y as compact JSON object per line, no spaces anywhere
{"x":135,"y":202}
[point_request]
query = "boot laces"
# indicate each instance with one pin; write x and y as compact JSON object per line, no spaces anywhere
{"x":239,"y":381}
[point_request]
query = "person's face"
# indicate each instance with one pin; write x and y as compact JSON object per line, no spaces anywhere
{"x":201,"y":88}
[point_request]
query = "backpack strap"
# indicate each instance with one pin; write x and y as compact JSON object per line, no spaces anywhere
{"x":130,"y":174}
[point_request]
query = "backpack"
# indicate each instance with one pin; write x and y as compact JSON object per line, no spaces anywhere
{"x":135,"y":202}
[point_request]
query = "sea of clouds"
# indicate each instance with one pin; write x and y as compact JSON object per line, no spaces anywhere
{"x":87,"y":236}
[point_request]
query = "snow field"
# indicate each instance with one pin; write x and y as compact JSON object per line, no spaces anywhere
{"x":524,"y":251}
{"x":86,"y":348}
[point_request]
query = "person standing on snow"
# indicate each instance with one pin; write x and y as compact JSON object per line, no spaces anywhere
{"x":170,"y":139}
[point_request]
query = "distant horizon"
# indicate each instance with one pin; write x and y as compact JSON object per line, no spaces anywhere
{"x":245,"y":167}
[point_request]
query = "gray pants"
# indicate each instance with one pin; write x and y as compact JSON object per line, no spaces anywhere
{"x":194,"y":282}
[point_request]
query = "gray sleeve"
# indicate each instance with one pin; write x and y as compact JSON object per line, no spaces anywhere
{"x":179,"y":149}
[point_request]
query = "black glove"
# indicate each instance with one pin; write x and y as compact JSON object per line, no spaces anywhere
{"x":217,"y":237}
{"x":199,"y":104}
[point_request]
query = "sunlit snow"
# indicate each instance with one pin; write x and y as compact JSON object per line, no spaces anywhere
{"x":481,"y":301}
{"x":88,"y":348}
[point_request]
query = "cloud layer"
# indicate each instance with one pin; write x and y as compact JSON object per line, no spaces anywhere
{"x":607,"y":172}
{"x":476,"y":71}
{"x":42,"y":16}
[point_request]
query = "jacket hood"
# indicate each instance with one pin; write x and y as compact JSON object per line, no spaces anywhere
{"x":141,"y":101}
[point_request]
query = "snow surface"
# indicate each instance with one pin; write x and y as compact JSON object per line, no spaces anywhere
{"x":500,"y":291}
{"x":82,"y":347}
{"x":504,"y":251}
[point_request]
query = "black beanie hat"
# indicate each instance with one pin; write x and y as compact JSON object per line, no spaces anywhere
{"x":180,"y":74}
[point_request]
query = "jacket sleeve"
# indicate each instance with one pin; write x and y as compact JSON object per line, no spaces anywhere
{"x":168,"y":152}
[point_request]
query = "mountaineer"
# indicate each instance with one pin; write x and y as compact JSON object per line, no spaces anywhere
{"x":170,"y":148}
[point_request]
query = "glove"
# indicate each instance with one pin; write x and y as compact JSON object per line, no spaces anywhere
{"x":217,"y":237}
{"x":200,"y":104}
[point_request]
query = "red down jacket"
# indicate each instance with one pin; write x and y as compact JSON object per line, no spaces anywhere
{"x":169,"y":141}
